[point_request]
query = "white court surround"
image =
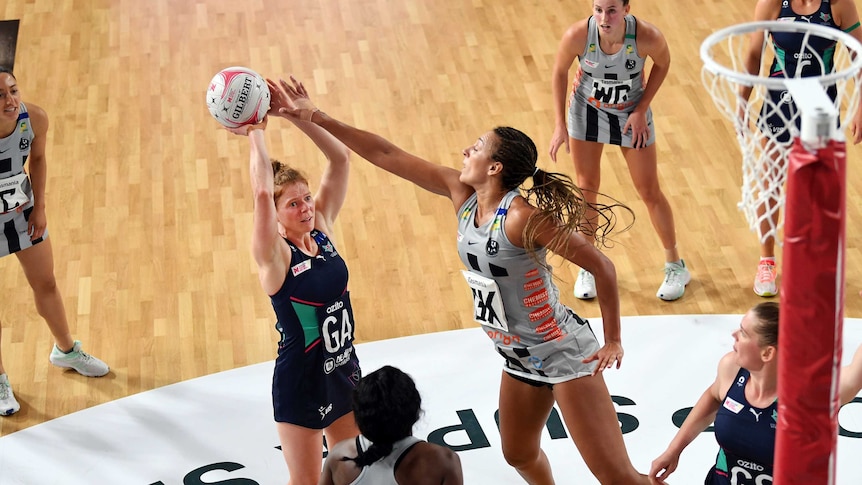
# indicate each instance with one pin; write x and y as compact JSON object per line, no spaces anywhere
{"x":219,"y":428}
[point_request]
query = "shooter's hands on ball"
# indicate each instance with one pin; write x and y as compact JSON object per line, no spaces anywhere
{"x":290,"y":100}
{"x":246,"y":129}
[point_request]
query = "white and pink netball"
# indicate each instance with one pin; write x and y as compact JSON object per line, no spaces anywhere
{"x":238,"y":96}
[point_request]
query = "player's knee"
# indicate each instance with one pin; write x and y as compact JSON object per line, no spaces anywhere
{"x":588,"y":184}
{"x":521,"y":456}
{"x":651,"y":195}
{"x":44,"y":287}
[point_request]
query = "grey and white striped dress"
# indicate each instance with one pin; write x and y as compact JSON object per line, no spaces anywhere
{"x":16,"y":194}
{"x":606,"y":89}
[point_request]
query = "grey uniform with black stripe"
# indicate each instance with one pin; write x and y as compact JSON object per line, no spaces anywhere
{"x":14,"y":150}
{"x":606,"y":89}
{"x":540,"y":338}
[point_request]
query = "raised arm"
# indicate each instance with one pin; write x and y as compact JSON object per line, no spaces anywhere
{"x":571,"y":46}
{"x":333,"y":184}
{"x":701,"y":416}
{"x":379,"y":151}
{"x":265,"y":240}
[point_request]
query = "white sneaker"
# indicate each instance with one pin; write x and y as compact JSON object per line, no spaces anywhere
{"x":764,"y":280}
{"x":585,"y":285}
{"x":8,"y":403}
{"x":84,"y":363}
{"x":676,"y":276}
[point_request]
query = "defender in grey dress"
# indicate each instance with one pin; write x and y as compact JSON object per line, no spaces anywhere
{"x":517,"y":303}
{"x":610,"y":104}
{"x":550,"y":355}
{"x":23,"y":228}
{"x":606,"y":89}
{"x":16,"y":192}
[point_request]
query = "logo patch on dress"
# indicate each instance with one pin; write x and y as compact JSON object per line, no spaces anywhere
{"x":301,"y":267}
{"x":492,"y":248}
{"x":732,"y":405}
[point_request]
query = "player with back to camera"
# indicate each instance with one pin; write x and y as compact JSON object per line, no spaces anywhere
{"x":551,"y":354}
{"x":742,"y":403}
{"x":24,"y":228}
{"x":610,"y":105}
{"x":386,"y":405}
{"x":306,"y":279}
{"x":839,"y":14}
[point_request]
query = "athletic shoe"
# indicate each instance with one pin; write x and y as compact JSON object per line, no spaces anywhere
{"x":8,"y":403}
{"x":764,"y":280}
{"x":676,"y":276}
{"x":585,"y":285}
{"x":84,"y":363}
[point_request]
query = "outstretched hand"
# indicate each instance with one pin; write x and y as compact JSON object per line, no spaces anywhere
{"x":290,"y":100}
{"x":606,"y":356}
{"x":663,"y":466}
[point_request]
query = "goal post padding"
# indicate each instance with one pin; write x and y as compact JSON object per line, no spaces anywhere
{"x":811,"y":316}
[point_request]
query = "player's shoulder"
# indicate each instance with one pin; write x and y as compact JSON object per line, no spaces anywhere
{"x":519,"y":210}
{"x":577,"y":32}
{"x":343,"y":449}
{"x":844,"y":13}
{"x":727,"y":369}
{"x":38,"y":116}
{"x":767,"y":9}
{"x":647,"y":32}
{"x":425,"y":457}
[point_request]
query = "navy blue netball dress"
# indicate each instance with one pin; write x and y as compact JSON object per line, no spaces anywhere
{"x":316,"y":368}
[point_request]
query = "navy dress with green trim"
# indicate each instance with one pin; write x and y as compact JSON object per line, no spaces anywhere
{"x":316,"y":369}
{"x":746,"y":435}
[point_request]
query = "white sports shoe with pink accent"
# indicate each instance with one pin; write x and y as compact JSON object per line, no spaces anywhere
{"x":764,"y":280}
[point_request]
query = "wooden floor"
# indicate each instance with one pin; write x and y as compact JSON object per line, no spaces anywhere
{"x":149,"y":205}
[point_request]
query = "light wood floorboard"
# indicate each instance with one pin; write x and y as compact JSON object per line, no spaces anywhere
{"x":148,"y":201}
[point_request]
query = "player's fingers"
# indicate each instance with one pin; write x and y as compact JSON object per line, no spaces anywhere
{"x":288,"y":88}
{"x":300,"y":88}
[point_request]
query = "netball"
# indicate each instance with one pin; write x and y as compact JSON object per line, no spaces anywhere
{"x":238,"y":96}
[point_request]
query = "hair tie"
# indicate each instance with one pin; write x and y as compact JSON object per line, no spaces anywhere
{"x":536,"y":171}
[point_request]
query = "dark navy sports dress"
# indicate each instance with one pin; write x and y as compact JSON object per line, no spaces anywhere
{"x":747,"y":438}
{"x":792,"y":61}
{"x":316,"y":368}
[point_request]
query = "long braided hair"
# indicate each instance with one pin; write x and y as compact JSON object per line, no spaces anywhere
{"x":386,"y":405}
{"x":556,"y":197}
